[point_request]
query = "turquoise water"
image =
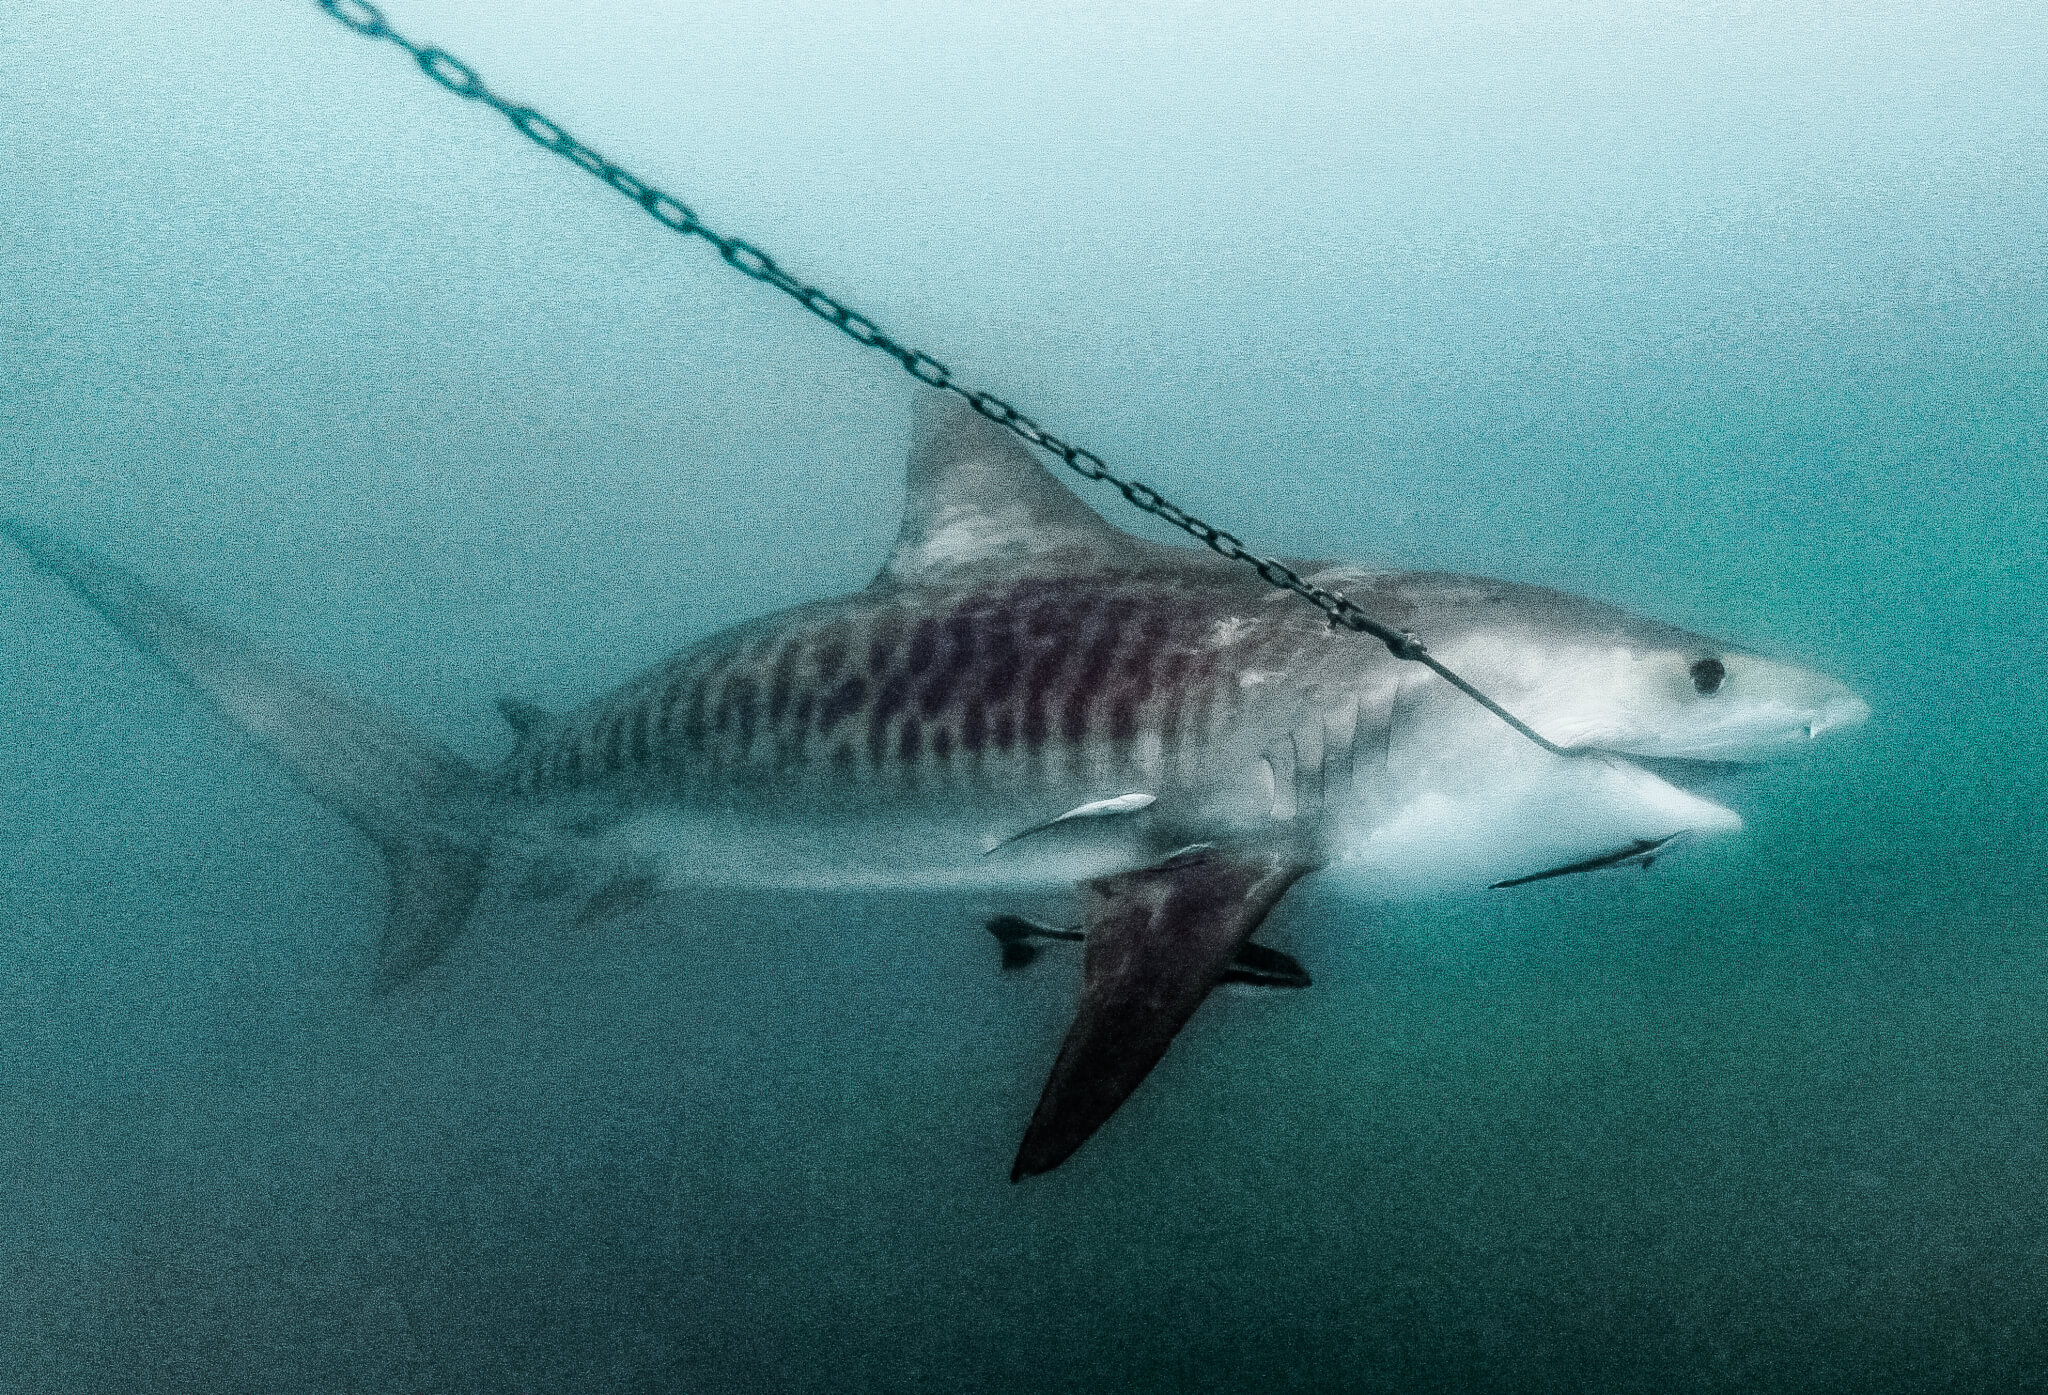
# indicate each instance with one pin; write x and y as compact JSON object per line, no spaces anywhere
{"x":1731,"y":316}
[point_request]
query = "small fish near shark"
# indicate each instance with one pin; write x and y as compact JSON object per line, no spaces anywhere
{"x":1027,"y":697}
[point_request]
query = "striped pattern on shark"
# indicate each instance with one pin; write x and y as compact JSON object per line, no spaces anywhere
{"x":1024,"y":696}
{"x":1031,"y":683}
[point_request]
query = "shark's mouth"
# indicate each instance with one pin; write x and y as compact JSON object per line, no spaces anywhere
{"x":1706,"y":778}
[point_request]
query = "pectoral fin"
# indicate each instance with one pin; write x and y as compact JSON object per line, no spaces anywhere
{"x":1158,"y":940}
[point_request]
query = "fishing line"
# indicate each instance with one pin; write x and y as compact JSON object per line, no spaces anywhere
{"x":749,"y":260}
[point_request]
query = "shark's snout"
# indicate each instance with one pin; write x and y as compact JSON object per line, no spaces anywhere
{"x":1839,"y":714}
{"x":1766,"y":707}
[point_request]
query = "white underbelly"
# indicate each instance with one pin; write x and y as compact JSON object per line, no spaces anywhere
{"x":1448,"y":829}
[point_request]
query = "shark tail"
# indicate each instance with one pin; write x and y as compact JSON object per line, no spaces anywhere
{"x":418,"y":802}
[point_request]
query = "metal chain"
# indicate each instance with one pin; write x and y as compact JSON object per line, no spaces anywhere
{"x":458,"y":77}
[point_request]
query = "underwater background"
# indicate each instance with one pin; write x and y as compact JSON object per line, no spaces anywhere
{"x":1733,"y":314}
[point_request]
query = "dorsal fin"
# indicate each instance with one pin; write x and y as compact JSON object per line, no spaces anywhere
{"x":977,"y":495}
{"x":523,"y":717}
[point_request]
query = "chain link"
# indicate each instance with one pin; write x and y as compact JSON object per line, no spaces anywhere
{"x":458,"y":77}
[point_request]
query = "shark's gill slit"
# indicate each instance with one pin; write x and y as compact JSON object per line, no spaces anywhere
{"x":1279,"y":783}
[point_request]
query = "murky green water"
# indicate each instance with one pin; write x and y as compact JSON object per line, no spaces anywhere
{"x":1732,"y":316}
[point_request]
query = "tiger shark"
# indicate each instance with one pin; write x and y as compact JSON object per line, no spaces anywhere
{"x":1027,"y":697}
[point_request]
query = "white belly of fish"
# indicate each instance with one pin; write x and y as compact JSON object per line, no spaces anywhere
{"x":1476,"y":824}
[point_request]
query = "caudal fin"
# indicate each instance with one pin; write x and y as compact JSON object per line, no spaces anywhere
{"x":416,"y":800}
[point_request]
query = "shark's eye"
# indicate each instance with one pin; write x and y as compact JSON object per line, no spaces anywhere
{"x":1708,"y":675}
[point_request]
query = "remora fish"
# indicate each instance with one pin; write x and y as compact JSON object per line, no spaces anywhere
{"x":1027,"y":696}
